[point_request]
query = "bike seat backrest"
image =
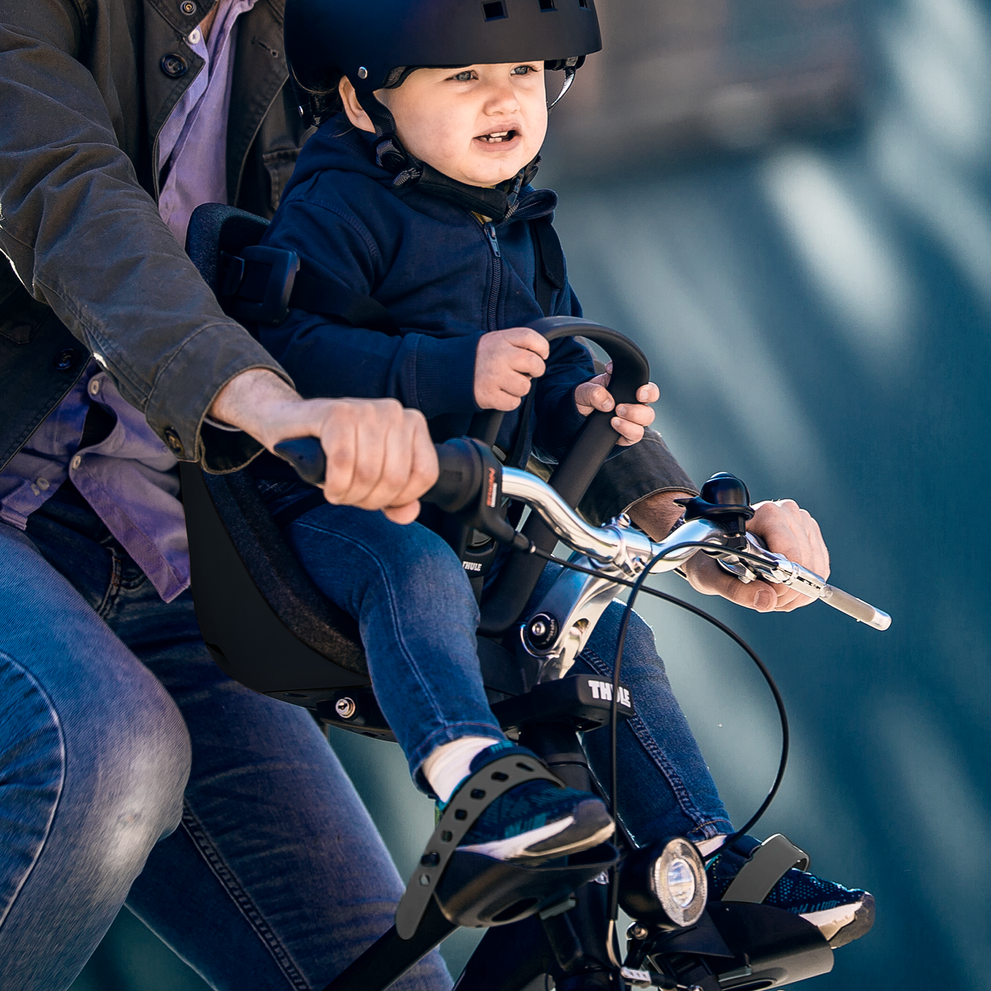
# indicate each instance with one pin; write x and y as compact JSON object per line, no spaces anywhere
{"x":242,"y":518}
{"x":215,"y":228}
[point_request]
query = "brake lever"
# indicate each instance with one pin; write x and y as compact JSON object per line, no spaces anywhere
{"x":776,"y":569}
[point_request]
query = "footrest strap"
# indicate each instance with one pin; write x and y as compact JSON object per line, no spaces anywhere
{"x":473,"y":797}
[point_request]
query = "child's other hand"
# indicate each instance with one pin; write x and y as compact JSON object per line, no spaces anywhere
{"x":505,"y":362}
{"x":630,"y":418}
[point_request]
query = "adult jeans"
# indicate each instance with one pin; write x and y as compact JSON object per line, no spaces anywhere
{"x":132,"y":768}
{"x":417,"y":617}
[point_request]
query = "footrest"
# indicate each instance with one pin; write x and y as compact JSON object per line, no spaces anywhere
{"x":466,"y":805}
{"x":479,"y":891}
{"x":773,"y":947}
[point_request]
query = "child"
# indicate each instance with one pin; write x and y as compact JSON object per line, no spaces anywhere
{"x":415,"y":192}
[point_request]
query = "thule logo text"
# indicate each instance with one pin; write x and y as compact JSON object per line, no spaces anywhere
{"x":603,"y":690}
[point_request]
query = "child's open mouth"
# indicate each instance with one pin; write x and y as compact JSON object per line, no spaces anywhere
{"x":498,"y":137}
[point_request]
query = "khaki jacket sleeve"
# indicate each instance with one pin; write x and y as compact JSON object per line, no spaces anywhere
{"x":84,"y":237}
{"x":631,"y":474}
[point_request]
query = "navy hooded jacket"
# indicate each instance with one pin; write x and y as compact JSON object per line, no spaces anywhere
{"x":445,"y":277}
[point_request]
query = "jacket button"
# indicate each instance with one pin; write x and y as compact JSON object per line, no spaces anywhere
{"x":188,"y":7}
{"x":173,"y":65}
{"x":172,"y":439}
{"x":66,"y":360}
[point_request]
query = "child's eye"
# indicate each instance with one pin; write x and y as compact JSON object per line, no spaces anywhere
{"x":465,"y":76}
{"x":523,"y":70}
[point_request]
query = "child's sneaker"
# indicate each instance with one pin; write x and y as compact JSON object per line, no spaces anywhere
{"x":841,"y":914}
{"x":536,"y":820}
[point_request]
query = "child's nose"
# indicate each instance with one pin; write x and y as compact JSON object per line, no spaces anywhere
{"x":501,"y":98}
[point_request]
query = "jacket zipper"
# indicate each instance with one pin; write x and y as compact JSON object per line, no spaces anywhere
{"x":490,"y":234}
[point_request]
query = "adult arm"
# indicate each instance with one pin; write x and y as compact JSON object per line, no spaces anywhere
{"x":84,"y":237}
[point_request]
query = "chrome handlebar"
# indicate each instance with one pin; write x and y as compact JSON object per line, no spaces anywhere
{"x":618,"y":549}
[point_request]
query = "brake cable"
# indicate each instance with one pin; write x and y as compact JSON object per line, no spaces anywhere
{"x":638,"y":586}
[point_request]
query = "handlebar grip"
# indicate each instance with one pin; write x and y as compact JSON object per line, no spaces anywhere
{"x":305,"y":455}
{"x":861,"y":611}
{"x":460,"y":475}
{"x":459,"y":480}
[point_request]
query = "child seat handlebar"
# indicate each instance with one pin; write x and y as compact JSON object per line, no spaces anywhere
{"x":515,"y":583}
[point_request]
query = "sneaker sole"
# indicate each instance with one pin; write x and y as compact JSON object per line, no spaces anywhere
{"x":849,"y":926}
{"x":588,"y":826}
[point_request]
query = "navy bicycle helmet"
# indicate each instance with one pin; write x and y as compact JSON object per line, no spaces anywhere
{"x":375,"y":43}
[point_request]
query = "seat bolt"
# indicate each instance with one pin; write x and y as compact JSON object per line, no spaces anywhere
{"x":345,"y":708}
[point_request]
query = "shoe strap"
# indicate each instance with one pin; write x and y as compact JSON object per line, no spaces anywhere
{"x":767,"y":864}
{"x":472,"y":798}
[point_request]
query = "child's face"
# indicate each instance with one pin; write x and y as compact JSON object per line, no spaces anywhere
{"x":479,"y":125}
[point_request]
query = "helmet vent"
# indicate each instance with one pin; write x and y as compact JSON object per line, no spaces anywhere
{"x":547,"y":5}
{"x":583,"y":3}
{"x":494,"y":11}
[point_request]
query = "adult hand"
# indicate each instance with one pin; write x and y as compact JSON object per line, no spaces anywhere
{"x":379,"y":455}
{"x":505,"y":362}
{"x":630,"y":419}
{"x":787,"y":529}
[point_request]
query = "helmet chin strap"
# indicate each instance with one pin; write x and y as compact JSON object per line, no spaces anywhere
{"x":379,"y":114}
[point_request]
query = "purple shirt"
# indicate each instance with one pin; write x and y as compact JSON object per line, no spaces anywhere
{"x":129,"y":478}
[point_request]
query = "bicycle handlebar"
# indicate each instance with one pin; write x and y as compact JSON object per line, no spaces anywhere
{"x":471,"y":482}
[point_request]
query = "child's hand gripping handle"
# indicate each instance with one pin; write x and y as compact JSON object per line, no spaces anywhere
{"x":575,"y":472}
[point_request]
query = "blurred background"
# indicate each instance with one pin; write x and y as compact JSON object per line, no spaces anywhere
{"x":788,"y":204}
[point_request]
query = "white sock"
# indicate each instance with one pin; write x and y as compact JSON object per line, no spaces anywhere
{"x":708,"y":847}
{"x":450,"y":762}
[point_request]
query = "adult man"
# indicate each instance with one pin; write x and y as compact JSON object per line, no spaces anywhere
{"x":277,"y":878}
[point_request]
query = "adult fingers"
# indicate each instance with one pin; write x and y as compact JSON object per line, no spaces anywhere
{"x":789,"y":530}
{"x":391,"y":485}
{"x":708,"y":578}
{"x":378,"y":454}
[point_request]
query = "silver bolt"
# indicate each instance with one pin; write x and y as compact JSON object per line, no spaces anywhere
{"x":538,"y":628}
{"x":639,"y":932}
{"x":345,"y":708}
{"x":362,"y":72}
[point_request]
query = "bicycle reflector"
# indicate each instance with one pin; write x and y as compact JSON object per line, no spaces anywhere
{"x":665,"y":883}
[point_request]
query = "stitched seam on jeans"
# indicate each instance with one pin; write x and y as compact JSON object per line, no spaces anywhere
{"x":393,"y":612}
{"x":225,"y":875}
{"x":61,"y":784}
{"x":646,"y":740}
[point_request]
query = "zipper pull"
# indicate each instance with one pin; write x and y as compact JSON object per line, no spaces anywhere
{"x":490,"y":233}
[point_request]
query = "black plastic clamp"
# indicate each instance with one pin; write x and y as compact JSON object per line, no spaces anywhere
{"x":464,"y":808}
{"x":764,"y":868}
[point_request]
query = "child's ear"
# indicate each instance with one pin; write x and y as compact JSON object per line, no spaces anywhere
{"x":352,"y":107}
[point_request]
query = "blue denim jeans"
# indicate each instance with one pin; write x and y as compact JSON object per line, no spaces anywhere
{"x":133,"y":770}
{"x":414,"y":605}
